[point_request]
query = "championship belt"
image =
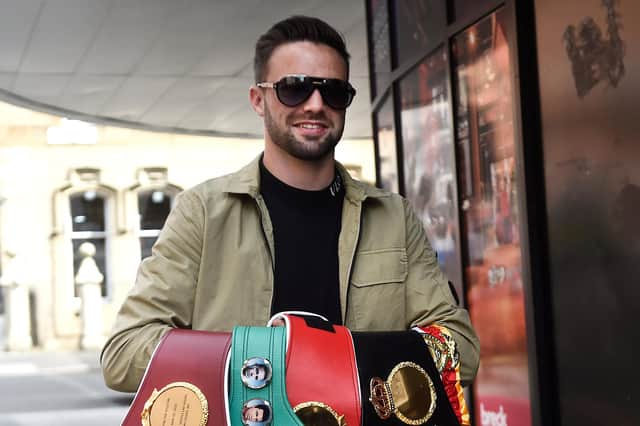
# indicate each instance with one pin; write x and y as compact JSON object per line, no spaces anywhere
{"x":257,"y":389}
{"x":184,"y":382}
{"x":444,"y":352}
{"x":399,"y":381}
{"x":322,"y":376}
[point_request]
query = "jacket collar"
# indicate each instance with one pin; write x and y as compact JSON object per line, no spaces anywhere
{"x":247,"y":181}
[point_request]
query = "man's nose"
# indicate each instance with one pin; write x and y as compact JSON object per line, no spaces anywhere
{"x":315,"y":101}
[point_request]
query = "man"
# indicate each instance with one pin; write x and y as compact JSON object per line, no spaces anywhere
{"x":255,"y":373}
{"x":290,"y":231}
{"x":256,"y":414}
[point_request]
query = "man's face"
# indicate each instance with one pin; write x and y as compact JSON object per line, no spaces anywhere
{"x":311,"y":130}
{"x":256,"y":372}
{"x":253,"y":414}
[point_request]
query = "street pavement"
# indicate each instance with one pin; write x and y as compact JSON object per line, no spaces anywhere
{"x":57,"y":388}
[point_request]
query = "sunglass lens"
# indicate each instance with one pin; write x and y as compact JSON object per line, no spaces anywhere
{"x":293,"y":91}
{"x":337,"y":93}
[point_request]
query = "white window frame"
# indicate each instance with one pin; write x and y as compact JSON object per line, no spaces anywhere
{"x":65,"y":305}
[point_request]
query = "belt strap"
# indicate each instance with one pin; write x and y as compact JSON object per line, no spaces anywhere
{"x":187,"y":367}
{"x":260,"y":342}
{"x":321,"y":366}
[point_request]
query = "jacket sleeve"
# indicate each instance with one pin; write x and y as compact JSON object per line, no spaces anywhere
{"x":430,"y":301}
{"x":162,"y":297}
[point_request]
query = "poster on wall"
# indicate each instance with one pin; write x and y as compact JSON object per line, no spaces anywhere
{"x":485,"y":146}
{"x":429,"y":159}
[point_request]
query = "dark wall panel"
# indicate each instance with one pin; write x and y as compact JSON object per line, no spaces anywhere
{"x":589,"y":65}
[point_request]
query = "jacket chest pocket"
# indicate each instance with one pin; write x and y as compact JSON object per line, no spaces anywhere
{"x":377,"y":291}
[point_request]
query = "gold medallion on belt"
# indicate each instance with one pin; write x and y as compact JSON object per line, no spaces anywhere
{"x":178,"y":403}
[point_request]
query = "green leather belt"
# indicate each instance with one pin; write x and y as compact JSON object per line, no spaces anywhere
{"x":257,"y":391}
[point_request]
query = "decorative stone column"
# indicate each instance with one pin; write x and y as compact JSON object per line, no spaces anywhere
{"x":89,"y":280}
{"x":17,"y":332}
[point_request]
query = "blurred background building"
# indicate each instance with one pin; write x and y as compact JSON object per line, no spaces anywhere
{"x":510,"y":125}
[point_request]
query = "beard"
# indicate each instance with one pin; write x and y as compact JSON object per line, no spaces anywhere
{"x":311,"y":149}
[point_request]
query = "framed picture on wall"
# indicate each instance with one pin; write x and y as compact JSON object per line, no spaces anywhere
{"x":483,"y":104}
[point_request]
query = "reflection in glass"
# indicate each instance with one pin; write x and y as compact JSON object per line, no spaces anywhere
{"x":154,"y":206}
{"x":386,"y":142}
{"x":487,"y":170}
{"x":88,"y":213}
{"x":429,"y":158}
{"x":418,"y":24}
{"x":468,"y":9}
{"x":380,"y":52}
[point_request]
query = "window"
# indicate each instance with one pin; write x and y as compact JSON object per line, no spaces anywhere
{"x":84,"y":212}
{"x":88,"y":222}
{"x":379,"y":45}
{"x":386,"y":146}
{"x":154,"y":206}
{"x":428,"y":157}
{"x":419,"y":24}
{"x":154,"y":198}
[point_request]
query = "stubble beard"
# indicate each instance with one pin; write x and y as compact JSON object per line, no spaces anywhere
{"x":307,"y":150}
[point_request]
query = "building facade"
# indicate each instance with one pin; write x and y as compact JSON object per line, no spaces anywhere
{"x":64,"y":183}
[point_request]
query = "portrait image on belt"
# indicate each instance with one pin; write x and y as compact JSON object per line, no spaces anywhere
{"x":290,"y":231}
{"x":256,"y":372}
{"x":256,"y":412}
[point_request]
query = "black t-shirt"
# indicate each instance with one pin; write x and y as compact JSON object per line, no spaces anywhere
{"x":306,"y":226}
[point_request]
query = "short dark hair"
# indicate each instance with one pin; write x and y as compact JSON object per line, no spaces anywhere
{"x":266,"y":413}
{"x":296,"y":28}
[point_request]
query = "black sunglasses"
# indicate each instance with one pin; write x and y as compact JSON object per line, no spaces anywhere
{"x":292,"y":90}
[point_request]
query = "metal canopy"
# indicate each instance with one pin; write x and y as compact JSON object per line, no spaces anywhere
{"x":168,"y":65}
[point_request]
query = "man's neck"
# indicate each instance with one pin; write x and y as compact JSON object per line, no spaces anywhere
{"x":301,"y":174}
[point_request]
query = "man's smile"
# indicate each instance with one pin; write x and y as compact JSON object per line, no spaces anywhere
{"x":311,"y":128}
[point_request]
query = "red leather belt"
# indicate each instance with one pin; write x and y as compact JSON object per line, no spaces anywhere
{"x":184,"y":382}
{"x":321,"y":367}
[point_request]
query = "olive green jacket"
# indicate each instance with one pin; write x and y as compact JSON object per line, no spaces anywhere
{"x":212,"y":269}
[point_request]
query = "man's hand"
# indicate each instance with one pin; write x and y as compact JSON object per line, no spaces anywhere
{"x":278,"y":322}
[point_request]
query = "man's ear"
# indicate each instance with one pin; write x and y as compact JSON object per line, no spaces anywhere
{"x":256,"y":98}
